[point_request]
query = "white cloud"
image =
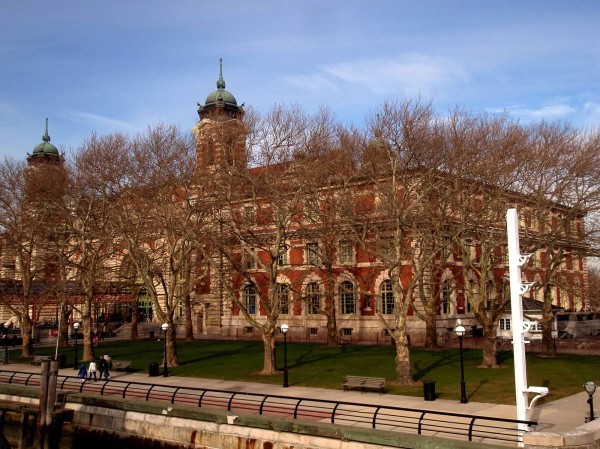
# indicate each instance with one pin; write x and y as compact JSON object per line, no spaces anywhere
{"x":312,"y":83}
{"x":411,"y":74}
{"x":96,"y":119}
{"x":548,"y":111}
{"x":591,"y":113}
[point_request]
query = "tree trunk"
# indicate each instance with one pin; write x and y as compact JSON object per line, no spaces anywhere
{"x":430,"y":329}
{"x":489,"y":347}
{"x":269,"y":358}
{"x":63,"y":332}
{"x":26,"y":326}
{"x":172,"y":359}
{"x":187,"y":319}
{"x":403,"y":368}
{"x":134,"y":321}
{"x":333,"y":339}
{"x":548,"y":349}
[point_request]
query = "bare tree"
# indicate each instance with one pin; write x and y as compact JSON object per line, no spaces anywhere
{"x":28,"y":208}
{"x":258,"y":222}
{"x":97,"y":178}
{"x":484,"y":168}
{"x":593,"y":299}
{"x":562,"y":185}
{"x":401,"y":166}
{"x":161,"y":219}
{"x":328,"y":172}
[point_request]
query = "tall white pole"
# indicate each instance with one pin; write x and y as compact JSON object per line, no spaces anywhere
{"x":515,"y":260}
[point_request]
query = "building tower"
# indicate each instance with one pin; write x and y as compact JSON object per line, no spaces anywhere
{"x":45,"y":176}
{"x":220,"y":133}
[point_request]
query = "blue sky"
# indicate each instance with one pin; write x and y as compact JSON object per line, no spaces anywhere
{"x":121,"y":66}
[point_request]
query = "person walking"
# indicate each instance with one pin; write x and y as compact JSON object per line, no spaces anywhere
{"x":103,"y":368}
{"x":109,"y":365}
{"x":82,"y":372}
{"x":92,"y":369}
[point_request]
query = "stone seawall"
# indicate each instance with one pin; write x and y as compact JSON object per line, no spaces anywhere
{"x":102,"y":421}
{"x":105,"y":421}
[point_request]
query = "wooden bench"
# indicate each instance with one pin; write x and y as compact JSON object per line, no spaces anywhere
{"x":122,"y":365}
{"x":362,"y":382}
{"x":38,"y":359}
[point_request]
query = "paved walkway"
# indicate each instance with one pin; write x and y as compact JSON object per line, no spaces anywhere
{"x":556,"y":416}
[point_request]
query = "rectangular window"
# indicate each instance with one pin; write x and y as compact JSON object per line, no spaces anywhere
{"x":249,"y":215}
{"x":346,"y":255}
{"x":248,"y":329}
{"x":282,"y":258}
{"x":387,"y":250}
{"x":312,"y":210}
{"x":387,"y":298}
{"x":504,"y":324}
{"x":348,"y":298}
{"x":250,"y":299}
{"x":313,"y":330}
{"x":249,"y":259}
{"x":347,"y":331}
{"x":313,"y":297}
{"x":312,"y":254}
{"x":283,"y":297}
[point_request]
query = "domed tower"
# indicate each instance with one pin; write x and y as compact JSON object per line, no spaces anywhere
{"x":45,"y":176}
{"x":220,"y":133}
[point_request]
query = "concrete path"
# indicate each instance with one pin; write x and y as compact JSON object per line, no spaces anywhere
{"x":556,"y":416}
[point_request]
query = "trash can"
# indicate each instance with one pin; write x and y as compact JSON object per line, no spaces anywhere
{"x":153,"y":369}
{"x":429,"y":390}
{"x":151,"y":334}
{"x":62,"y":361}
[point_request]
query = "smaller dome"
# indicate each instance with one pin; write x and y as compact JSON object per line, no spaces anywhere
{"x":45,"y":148}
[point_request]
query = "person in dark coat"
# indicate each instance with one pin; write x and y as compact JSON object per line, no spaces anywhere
{"x":103,"y":368}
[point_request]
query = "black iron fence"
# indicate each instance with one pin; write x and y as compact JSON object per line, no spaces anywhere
{"x":401,"y":419}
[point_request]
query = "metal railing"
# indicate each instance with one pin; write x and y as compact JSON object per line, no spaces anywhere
{"x":401,"y":419}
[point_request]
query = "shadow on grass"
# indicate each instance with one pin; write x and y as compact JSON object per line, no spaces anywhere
{"x":442,"y":358}
{"x":250,"y":347}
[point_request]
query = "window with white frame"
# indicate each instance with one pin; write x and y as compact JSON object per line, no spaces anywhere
{"x":346,"y":253}
{"x":348,"y":298}
{"x":249,"y":259}
{"x":249,"y":215}
{"x":250,"y":299}
{"x":387,"y":298}
{"x":283,"y":295}
{"x":312,"y":254}
{"x":282,"y":257}
{"x":313,"y":298}
{"x":504,"y":324}
{"x":536,"y":326}
{"x":387,"y":249}
{"x":446,"y":298}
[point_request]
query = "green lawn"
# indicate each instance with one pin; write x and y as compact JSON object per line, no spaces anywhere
{"x":312,"y":364}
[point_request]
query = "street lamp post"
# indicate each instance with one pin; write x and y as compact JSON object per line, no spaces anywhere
{"x":460,"y":333}
{"x":164,"y":327}
{"x":284,"y":329}
{"x":590,"y":388}
{"x":76,"y":361}
{"x":6,"y":343}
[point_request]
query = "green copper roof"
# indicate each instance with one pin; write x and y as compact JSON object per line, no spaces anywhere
{"x":220,"y":95}
{"x":45,"y":148}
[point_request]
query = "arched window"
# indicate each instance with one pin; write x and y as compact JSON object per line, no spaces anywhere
{"x":313,"y":298}
{"x":348,"y":298}
{"x":283,"y":295}
{"x":250,"y":299}
{"x":387,"y":298}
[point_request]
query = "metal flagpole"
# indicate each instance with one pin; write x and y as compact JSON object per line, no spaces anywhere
{"x":519,"y":326}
